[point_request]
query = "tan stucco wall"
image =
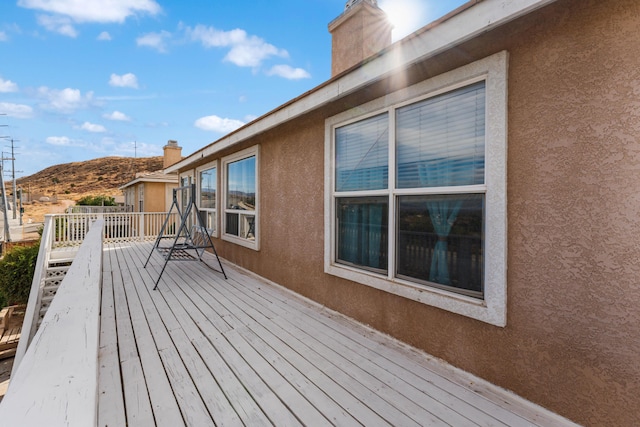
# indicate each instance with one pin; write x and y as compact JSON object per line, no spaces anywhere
{"x":155,"y":197}
{"x":572,"y":340}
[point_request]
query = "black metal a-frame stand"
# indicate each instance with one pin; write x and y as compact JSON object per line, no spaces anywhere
{"x":188,"y":244}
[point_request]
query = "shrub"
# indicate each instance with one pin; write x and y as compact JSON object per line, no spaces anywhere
{"x":97,"y":201}
{"x":16,"y":274}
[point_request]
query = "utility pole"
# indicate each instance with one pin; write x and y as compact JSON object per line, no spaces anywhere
{"x":7,"y":235}
{"x":13,"y":176}
{"x":13,"y":173}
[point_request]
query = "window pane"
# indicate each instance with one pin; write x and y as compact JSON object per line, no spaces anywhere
{"x":232,"y":223}
{"x":183,"y":195}
{"x":208,"y":218}
{"x":440,"y":141}
{"x":241,"y":184}
{"x":362,"y":234}
{"x":246,"y":227}
{"x":362,"y":152}
{"x":441,"y":239}
{"x":241,"y":225}
{"x":208,"y":184}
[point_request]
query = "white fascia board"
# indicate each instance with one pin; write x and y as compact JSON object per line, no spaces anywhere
{"x":480,"y":18}
{"x":168,"y":180}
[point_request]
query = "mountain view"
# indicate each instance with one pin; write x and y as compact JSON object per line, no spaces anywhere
{"x":55,"y":188}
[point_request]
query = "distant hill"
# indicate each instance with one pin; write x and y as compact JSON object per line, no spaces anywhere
{"x":92,"y":177}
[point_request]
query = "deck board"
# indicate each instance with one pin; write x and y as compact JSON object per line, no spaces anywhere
{"x":202,"y":350}
{"x":352,"y":358}
{"x":110,"y":399}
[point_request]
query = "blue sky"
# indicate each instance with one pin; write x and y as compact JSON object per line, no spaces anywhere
{"x":82,"y":79}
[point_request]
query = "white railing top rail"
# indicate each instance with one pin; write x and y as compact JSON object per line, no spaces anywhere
{"x":97,"y":209}
{"x":56,"y":381}
{"x":33,"y":306}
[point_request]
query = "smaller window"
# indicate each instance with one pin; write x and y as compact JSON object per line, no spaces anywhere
{"x":241,"y":198}
{"x":207,"y":196}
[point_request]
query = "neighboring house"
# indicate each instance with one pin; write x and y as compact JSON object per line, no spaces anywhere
{"x":153,"y":191}
{"x":471,"y":190}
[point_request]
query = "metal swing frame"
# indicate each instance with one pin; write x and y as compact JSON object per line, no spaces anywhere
{"x":196,"y":240}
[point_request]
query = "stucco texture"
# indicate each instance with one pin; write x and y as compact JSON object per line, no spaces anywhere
{"x":154,"y":197}
{"x":572,"y":339}
{"x":574,"y":174}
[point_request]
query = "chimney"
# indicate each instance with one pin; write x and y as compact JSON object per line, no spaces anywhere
{"x":172,"y":153}
{"x":362,"y":30}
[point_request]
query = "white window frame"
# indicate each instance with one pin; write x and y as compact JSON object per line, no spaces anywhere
{"x":492,"y":308}
{"x":255,"y":243}
{"x":214,"y":164}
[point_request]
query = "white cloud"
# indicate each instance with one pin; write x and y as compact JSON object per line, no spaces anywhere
{"x":94,"y":10}
{"x":65,"y":100}
{"x":245,"y":50}
{"x":157,"y":41}
{"x":58,"y":24}
{"x":18,"y":111}
{"x":125,"y":80}
{"x":117,"y":116}
{"x":211,"y":37}
{"x":140,"y":149}
{"x":104,"y":36}
{"x":59,"y":140}
{"x":288,"y":72}
{"x":218,"y":124}
{"x":92,"y":127}
{"x":3,"y":36}
{"x":7,"y":86}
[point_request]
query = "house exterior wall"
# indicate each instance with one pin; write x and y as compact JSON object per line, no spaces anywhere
{"x":154,"y":197}
{"x":572,"y":340}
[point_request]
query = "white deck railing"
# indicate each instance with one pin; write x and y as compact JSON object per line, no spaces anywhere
{"x":55,"y":383}
{"x":97,"y":209}
{"x":70,"y":229}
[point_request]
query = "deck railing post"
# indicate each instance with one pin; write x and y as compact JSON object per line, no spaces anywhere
{"x":141,"y":226}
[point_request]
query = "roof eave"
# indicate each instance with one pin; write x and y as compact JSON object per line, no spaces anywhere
{"x":464,"y":23}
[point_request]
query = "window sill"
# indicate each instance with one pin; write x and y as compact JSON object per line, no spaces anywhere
{"x":251,"y":244}
{"x":490,"y":310}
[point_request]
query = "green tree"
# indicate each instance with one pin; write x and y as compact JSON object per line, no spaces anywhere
{"x":16,"y":274}
{"x":97,"y":201}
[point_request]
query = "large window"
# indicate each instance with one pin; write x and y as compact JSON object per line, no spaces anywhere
{"x":240,"y":198}
{"x":207,"y":191}
{"x":416,"y":204}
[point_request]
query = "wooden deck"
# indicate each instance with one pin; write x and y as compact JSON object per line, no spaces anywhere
{"x":203,"y":351}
